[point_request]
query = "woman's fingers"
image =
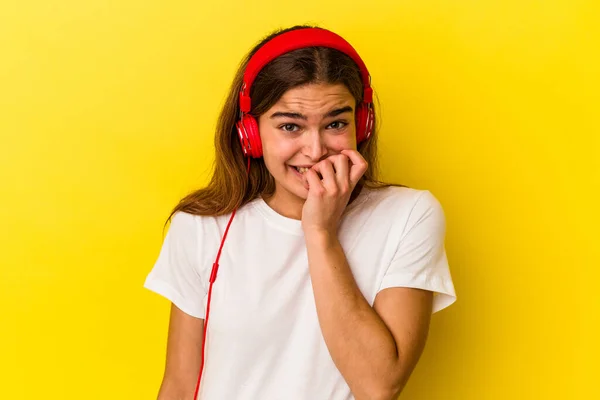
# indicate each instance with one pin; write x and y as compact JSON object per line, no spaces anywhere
{"x":314,"y":182}
{"x":359,"y":165}
{"x":340,"y":172}
{"x":325,"y":168}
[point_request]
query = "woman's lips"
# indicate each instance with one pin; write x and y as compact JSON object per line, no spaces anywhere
{"x":295,"y":171}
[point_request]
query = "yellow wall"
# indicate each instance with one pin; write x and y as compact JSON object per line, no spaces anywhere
{"x":106,"y":116}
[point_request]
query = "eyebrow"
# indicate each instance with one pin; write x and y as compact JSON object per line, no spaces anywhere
{"x":332,"y":113}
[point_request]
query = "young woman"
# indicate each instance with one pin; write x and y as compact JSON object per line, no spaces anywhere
{"x":327,"y":279}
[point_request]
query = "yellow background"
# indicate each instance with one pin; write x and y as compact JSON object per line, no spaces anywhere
{"x":107,"y":110}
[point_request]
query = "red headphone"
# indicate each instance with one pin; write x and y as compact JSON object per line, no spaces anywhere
{"x":247,"y":127}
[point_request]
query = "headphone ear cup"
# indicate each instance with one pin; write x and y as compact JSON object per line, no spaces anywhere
{"x":364,"y":122}
{"x":249,"y":135}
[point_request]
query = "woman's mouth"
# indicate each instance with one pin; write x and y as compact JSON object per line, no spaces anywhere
{"x":299,"y":170}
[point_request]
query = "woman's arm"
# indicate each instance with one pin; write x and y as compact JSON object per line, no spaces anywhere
{"x":184,"y":356}
{"x":375,"y":348}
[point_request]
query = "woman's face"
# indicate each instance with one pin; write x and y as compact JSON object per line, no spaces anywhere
{"x":308,"y":124}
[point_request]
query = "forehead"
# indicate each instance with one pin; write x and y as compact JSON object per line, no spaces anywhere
{"x":315,"y":96}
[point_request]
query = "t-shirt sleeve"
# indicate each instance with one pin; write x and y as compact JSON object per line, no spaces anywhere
{"x":176,"y":273}
{"x":420,"y":259}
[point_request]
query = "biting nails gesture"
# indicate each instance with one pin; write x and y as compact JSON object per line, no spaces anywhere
{"x":328,"y":197}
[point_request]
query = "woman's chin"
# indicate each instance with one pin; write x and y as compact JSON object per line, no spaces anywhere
{"x":297,"y":182}
{"x":301,"y":192}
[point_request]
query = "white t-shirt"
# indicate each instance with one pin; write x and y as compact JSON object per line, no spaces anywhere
{"x":264,"y":340}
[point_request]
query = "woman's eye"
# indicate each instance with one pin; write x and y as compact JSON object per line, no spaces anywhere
{"x":288,"y":127}
{"x":338,"y":124}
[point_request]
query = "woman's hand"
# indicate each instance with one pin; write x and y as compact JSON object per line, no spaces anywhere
{"x":327,"y":198}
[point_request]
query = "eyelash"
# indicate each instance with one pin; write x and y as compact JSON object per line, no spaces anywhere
{"x":344,"y":124}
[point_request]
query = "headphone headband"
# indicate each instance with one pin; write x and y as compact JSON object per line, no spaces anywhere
{"x":294,"y":40}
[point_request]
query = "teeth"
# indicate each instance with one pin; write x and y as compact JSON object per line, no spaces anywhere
{"x":302,"y":169}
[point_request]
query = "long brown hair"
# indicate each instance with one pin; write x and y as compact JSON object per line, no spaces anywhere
{"x":230,"y":186}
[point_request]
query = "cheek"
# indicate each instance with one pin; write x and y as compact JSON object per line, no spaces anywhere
{"x":276,"y":151}
{"x":279,"y":152}
{"x":342,"y":142}
{"x":275,"y":147}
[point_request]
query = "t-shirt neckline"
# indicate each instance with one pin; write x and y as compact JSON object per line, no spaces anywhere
{"x":294,"y":226}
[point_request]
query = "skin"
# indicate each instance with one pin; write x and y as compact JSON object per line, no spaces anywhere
{"x":376,"y":347}
{"x":306,"y":139}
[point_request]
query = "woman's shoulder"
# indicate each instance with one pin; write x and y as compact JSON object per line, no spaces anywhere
{"x":401,"y":202}
{"x":400,"y":210}
{"x":189,"y":223}
{"x":399,"y":196}
{"x":192,"y":222}
{"x":182,"y":220}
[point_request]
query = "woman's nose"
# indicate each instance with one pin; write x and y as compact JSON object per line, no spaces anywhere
{"x":315,"y":146}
